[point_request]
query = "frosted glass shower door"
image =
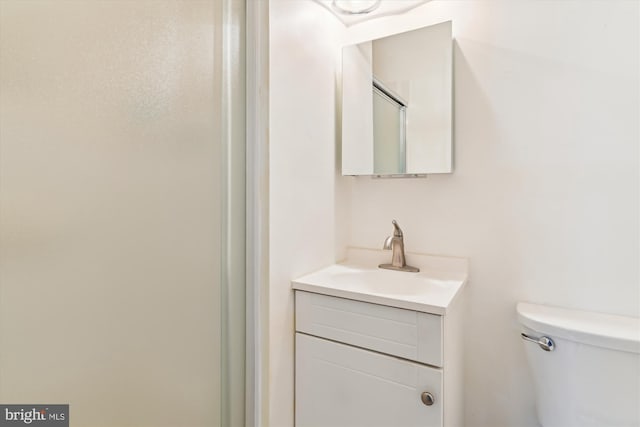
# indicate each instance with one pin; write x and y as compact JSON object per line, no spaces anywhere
{"x":121,"y":210}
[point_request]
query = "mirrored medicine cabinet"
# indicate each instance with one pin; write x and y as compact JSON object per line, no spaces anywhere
{"x":397,"y":104}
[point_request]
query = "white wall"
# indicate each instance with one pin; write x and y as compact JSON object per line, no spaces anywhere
{"x":544,"y":197}
{"x":302,"y":179}
{"x":110,"y":210}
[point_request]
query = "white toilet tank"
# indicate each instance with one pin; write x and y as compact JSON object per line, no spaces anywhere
{"x":591,"y":378}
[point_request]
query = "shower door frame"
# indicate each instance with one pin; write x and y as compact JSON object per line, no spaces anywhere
{"x":244,"y":121}
{"x":257,"y":210}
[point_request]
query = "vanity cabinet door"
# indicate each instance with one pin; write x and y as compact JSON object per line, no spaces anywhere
{"x":342,"y":386}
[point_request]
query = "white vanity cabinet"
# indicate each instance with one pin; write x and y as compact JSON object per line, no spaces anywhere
{"x":366,"y":364}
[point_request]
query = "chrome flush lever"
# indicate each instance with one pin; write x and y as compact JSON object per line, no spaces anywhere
{"x":545,"y":343}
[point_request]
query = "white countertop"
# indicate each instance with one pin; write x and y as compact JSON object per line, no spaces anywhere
{"x":432,"y":290}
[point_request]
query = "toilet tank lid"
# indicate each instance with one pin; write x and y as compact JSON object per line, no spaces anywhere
{"x":598,"y":329}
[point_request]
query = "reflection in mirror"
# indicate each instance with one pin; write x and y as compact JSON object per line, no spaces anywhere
{"x":389,"y":125}
{"x":397,"y":104}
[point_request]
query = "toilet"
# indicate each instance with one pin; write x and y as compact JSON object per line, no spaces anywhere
{"x":585,"y":366}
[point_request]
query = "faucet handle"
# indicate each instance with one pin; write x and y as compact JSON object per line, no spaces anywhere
{"x":398,"y":231}
{"x":387,"y":243}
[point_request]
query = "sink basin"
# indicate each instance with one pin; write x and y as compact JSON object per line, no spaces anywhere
{"x":387,"y":282}
{"x":432,"y":290}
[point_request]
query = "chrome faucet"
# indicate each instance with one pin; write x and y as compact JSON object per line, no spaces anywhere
{"x":396,"y":244}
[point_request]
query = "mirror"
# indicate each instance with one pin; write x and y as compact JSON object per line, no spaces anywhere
{"x":396,"y":104}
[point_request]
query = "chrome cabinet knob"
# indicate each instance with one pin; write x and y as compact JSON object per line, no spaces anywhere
{"x":427,"y":398}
